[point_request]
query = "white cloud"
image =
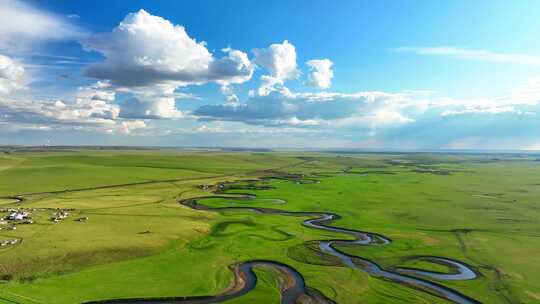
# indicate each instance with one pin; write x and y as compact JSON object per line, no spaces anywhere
{"x":103,"y":95}
{"x":516,"y":101}
{"x":97,"y":93}
{"x":294,"y":121}
{"x":127,"y":126}
{"x":156,"y":108}
{"x":232,"y":69}
{"x":389,"y":117}
{"x":232,"y":100}
{"x":528,"y":94}
{"x":90,"y":108}
{"x":226,"y":90}
{"x":157,"y":102}
{"x":209,"y":129}
{"x":80,"y":113}
{"x":76,"y":113}
{"x":534,"y":146}
{"x":280,"y":60}
{"x":328,"y":110}
{"x":102,"y":85}
{"x":11,"y":75}
{"x":22,"y":25}
{"x":480,"y":109}
{"x":236,"y":128}
{"x":150,"y":57}
{"x":385,"y":116}
{"x":269,"y":84}
{"x":472,"y":54}
{"x":321,"y":73}
{"x":145,"y":50}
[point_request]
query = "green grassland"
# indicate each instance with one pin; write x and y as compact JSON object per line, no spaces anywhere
{"x":139,"y":242}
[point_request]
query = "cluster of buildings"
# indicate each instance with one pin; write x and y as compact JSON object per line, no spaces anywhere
{"x":15,"y":216}
{"x":204,"y":187}
{"x":59,"y":216}
{"x":8,"y":242}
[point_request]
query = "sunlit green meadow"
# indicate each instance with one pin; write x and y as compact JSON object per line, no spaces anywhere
{"x":139,"y":242}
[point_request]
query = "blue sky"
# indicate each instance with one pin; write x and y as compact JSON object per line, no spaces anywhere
{"x":300,"y":74}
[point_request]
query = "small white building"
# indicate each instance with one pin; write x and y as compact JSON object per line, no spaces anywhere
{"x":17,"y":216}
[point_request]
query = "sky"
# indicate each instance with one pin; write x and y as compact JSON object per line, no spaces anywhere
{"x":401,"y":75}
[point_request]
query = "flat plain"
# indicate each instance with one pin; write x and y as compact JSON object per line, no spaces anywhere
{"x":126,"y":233}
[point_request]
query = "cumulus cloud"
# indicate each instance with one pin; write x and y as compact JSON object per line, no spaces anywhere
{"x":285,"y":108}
{"x":280,"y":60}
{"x":321,"y":73}
{"x":472,"y":54}
{"x":269,"y":84}
{"x":11,"y":75}
{"x":78,"y":113}
{"x":22,"y":25}
{"x":144,"y":50}
{"x":130,"y":125}
{"x":157,"y":108}
{"x":232,"y":100}
{"x":91,"y":108}
{"x":81,"y":113}
{"x":150,"y":58}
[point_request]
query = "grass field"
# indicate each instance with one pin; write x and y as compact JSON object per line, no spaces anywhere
{"x":138,"y":241}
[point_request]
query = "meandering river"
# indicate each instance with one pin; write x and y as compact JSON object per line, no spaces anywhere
{"x":294,"y":290}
